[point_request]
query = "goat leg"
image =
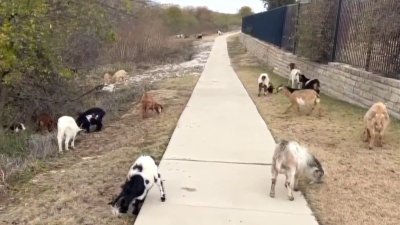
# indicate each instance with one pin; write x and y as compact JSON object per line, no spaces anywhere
{"x":287,"y":110}
{"x":296,"y":183}
{"x":160,"y":187}
{"x":372,"y":139}
{"x":290,"y":184}
{"x":273,"y":183}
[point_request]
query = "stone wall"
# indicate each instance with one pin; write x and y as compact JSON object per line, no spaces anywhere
{"x":338,"y":80}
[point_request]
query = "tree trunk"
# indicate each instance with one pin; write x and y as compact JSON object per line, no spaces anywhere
{"x":3,"y":99}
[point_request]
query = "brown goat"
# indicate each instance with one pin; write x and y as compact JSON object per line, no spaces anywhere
{"x":376,"y":120}
{"x":149,"y":103}
{"x":45,"y":122}
{"x":300,"y":98}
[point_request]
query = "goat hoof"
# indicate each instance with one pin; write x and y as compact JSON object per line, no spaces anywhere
{"x":163,"y":199}
{"x":291,"y":198}
{"x":272,"y":194}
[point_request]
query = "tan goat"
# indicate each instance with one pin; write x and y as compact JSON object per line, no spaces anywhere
{"x":121,"y":76}
{"x":108,"y":79}
{"x":376,"y":120}
{"x":300,"y":98}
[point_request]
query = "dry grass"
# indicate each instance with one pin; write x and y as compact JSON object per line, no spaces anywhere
{"x":361,"y":186}
{"x":78,"y":188}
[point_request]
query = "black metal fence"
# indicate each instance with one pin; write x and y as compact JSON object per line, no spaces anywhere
{"x":266,"y":26}
{"x":362,"y":33}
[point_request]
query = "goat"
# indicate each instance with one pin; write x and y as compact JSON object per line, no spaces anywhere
{"x":220,"y":33}
{"x":294,"y":76}
{"x":15,"y":127}
{"x":294,"y":161}
{"x":67,"y":127}
{"x":93,"y":116}
{"x":108,"y":79}
{"x":121,"y":76}
{"x":45,"y":122}
{"x":140,"y":179}
{"x":301,"y":98}
{"x":263,"y":83}
{"x":376,"y":121}
{"x":149,"y":103}
{"x":309,"y":83}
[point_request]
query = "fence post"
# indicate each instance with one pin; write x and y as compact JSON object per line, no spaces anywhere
{"x":296,"y":29}
{"x":335,"y":40}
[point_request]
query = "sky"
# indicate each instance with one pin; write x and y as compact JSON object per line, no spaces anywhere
{"x":225,"y":6}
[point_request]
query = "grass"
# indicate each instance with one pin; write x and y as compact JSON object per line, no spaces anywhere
{"x":361,"y":186}
{"x":76,"y":188}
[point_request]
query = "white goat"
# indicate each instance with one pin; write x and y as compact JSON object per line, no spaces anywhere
{"x":294,"y":161}
{"x":294,"y":76}
{"x":67,"y":127}
{"x":141,"y":177}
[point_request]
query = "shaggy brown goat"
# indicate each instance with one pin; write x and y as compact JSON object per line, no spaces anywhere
{"x":376,"y":120}
{"x":149,"y":103}
{"x":45,"y":122}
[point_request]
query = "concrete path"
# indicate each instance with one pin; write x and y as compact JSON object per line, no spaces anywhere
{"x":217,"y":165}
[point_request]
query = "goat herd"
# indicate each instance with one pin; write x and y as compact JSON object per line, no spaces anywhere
{"x":143,"y":173}
{"x":292,"y":159}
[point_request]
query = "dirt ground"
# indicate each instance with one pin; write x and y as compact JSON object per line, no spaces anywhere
{"x":83,"y":182}
{"x":362,"y":186}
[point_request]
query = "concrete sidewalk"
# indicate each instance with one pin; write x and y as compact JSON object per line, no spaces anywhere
{"x":217,"y":164}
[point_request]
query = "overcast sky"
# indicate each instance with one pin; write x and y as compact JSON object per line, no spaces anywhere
{"x":225,"y":6}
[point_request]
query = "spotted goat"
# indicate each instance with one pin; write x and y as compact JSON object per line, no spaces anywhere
{"x":140,"y":179}
{"x":294,"y":161}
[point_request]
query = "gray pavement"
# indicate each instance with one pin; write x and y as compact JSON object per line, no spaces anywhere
{"x":217,"y":165}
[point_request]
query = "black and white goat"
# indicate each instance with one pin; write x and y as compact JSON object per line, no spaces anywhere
{"x":309,"y":83}
{"x":93,"y":116}
{"x":264,"y":83}
{"x":141,"y":177}
{"x":15,"y":127}
{"x":294,"y":161}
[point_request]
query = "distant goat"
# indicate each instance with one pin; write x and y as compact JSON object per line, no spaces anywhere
{"x":220,"y":32}
{"x":108,"y":79}
{"x":121,"y":76}
{"x":263,"y":83}
{"x":141,"y":177}
{"x":376,"y":121}
{"x":68,"y":129}
{"x":294,"y":161}
{"x":15,"y":127}
{"x":45,"y":122}
{"x":93,"y":116}
{"x":149,"y":103}
{"x":310,"y":83}
{"x":294,"y":76}
{"x":300,"y":98}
